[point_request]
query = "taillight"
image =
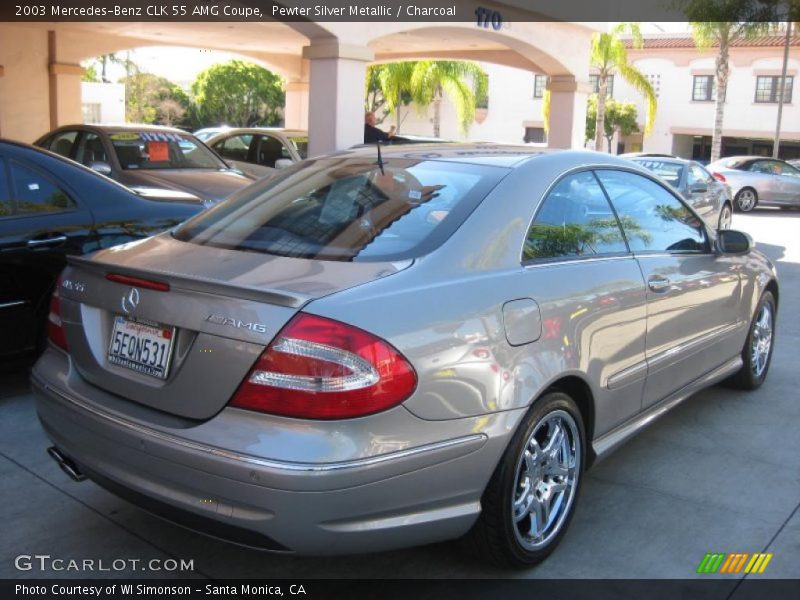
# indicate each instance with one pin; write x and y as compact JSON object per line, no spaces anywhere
{"x":719,"y":177}
{"x":147,"y":284}
{"x":318,"y":368}
{"x":55,"y":328}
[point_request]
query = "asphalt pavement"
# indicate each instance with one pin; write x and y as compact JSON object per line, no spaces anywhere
{"x":720,"y":473}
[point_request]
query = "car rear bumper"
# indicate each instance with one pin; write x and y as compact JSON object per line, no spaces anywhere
{"x":408,"y":497}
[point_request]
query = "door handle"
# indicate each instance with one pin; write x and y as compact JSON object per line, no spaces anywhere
{"x":658,"y":284}
{"x":52,"y":241}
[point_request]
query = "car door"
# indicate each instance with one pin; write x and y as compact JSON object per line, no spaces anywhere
{"x":239,"y":150}
{"x":765,"y":181}
{"x":790,"y":184}
{"x":693,"y":294}
{"x":40,"y":223}
{"x":591,"y":295}
{"x":699,"y":193}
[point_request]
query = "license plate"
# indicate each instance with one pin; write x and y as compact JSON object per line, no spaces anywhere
{"x":141,"y":347}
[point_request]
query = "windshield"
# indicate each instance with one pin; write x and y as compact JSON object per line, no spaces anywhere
{"x":162,"y":150}
{"x":347,"y":209}
{"x":301,"y":145}
{"x":668,"y":171}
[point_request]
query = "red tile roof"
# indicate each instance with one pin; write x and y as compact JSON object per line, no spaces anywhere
{"x":686,"y":41}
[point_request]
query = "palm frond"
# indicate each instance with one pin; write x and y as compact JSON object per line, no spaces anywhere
{"x":640,"y":83}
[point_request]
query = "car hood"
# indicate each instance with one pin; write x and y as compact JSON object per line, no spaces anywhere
{"x":205,"y":184}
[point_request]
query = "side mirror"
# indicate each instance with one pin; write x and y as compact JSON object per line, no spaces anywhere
{"x":101,"y":167}
{"x":731,"y":241}
{"x":282,"y":163}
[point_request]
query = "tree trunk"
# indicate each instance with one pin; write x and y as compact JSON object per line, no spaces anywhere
{"x":600,"y":124}
{"x":437,"y":106}
{"x":397,"y":112}
{"x":721,"y":79}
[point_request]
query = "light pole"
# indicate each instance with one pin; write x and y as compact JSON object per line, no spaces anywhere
{"x":777,"y":143}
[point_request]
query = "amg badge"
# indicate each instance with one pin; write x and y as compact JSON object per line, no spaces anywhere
{"x":236,"y":323}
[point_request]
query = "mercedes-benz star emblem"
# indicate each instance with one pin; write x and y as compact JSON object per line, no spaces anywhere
{"x":130,"y":301}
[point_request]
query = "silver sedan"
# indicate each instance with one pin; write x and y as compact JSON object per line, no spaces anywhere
{"x":366,"y":353}
{"x":759,"y":181}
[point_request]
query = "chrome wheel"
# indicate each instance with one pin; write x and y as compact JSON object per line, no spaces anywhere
{"x":546,"y":480}
{"x":725,"y":217}
{"x":762,"y":341}
{"x":746,"y":200}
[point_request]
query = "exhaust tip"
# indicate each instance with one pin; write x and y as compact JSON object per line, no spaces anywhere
{"x":66,"y":465}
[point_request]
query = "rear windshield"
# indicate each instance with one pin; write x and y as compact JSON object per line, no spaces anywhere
{"x":347,"y":209}
{"x":668,"y":171}
{"x":162,"y":150}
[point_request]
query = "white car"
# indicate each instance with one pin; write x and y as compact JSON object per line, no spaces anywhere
{"x":259,"y":151}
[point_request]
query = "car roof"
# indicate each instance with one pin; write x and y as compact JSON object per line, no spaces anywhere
{"x":236,"y":130}
{"x":661,"y":159}
{"x":502,"y":155}
{"x":125,"y":127}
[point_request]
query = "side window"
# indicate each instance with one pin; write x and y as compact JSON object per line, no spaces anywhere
{"x":235,"y":147}
{"x":574,"y":219}
{"x":653,"y":219}
{"x":270,"y":149}
{"x":5,"y":196}
{"x":696,"y":176}
{"x":35,"y":193}
{"x":62,"y":143}
{"x":763,"y":166}
{"x":705,"y":174}
{"x":91,"y":149}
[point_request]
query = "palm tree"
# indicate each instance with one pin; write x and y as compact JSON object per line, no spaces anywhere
{"x":720,"y":23}
{"x":610,"y":56}
{"x":394,"y":80}
{"x":462,"y":81}
{"x":722,"y":34}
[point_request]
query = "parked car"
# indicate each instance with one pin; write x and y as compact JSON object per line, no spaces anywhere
{"x":758,"y":181}
{"x":50,"y":208}
{"x":146,"y":156}
{"x":283,"y":369}
{"x":647,"y":155}
{"x":259,"y":151}
{"x":709,"y":197}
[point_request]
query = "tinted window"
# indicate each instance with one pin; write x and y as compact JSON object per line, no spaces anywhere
{"x":652,"y":218}
{"x":35,"y":193}
{"x":5,"y":196}
{"x":62,"y":143}
{"x":575,"y":219}
{"x":235,"y":147}
{"x":91,"y":149}
{"x":270,"y":150}
{"x":162,"y":150}
{"x":347,"y":209}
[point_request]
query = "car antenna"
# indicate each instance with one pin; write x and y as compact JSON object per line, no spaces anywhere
{"x":380,"y":158}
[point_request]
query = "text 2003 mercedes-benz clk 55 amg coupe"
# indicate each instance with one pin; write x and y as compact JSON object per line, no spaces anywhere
{"x":367,"y":352}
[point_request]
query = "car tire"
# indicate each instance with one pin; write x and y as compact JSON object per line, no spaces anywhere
{"x":540,"y":469}
{"x":725,"y":217}
{"x":757,"y":351}
{"x":746,"y":199}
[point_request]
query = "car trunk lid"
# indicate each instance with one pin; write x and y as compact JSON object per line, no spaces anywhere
{"x":220,"y":310}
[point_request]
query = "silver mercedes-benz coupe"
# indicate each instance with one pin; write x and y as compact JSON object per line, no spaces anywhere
{"x":377,"y":349}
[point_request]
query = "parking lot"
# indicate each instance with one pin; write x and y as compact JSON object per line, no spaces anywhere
{"x":720,"y":473}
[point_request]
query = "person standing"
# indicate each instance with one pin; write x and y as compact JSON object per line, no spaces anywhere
{"x":372,"y":134}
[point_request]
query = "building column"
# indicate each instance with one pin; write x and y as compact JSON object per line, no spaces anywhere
{"x":567,"y":112}
{"x":336,"y":95}
{"x":295,"y":109}
{"x":64,"y":87}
